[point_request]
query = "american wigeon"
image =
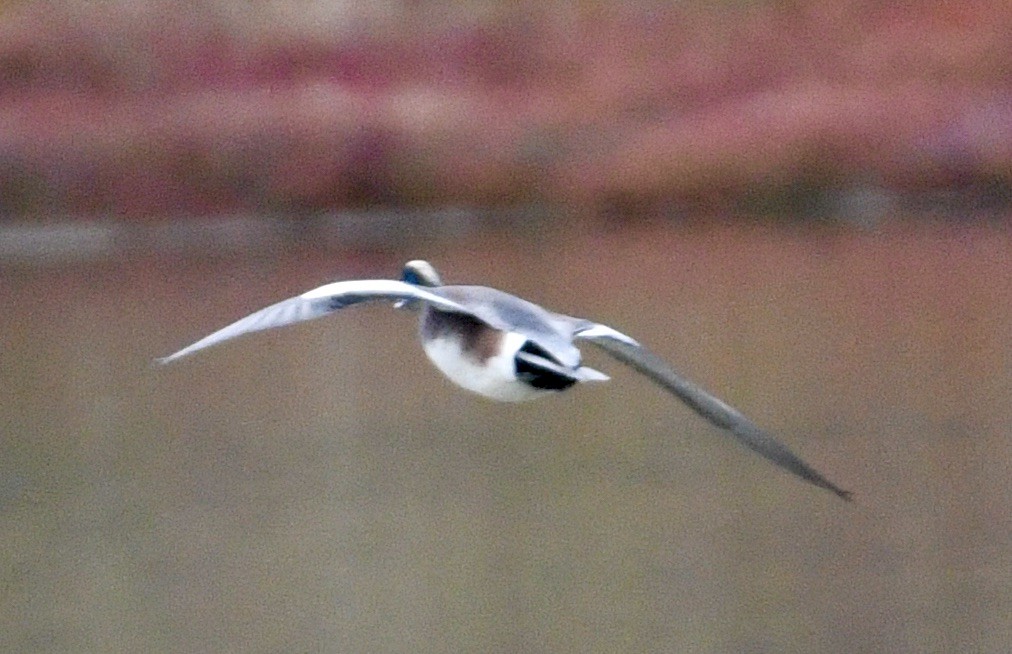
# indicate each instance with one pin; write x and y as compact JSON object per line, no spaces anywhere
{"x":508,"y":349}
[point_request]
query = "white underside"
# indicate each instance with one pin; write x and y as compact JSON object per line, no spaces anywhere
{"x":496,"y":379}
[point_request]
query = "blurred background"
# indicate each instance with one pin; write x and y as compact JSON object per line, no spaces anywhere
{"x":805,"y":206}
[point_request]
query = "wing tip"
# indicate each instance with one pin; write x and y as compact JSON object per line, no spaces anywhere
{"x":161,"y":361}
{"x":822,"y":482}
{"x":845,"y":495}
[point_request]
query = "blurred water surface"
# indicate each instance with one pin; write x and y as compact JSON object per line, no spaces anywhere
{"x":323,"y":489}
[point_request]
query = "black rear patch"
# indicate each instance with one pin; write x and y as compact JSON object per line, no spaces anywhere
{"x":540,"y":370}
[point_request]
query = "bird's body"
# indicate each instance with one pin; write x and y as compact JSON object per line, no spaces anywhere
{"x":488,"y":371}
{"x":508,"y":349}
{"x":497,"y":352}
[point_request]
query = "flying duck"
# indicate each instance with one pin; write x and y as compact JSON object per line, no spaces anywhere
{"x":508,"y":349}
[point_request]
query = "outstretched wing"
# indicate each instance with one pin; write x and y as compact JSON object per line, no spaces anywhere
{"x":316,"y":303}
{"x":631,"y":353}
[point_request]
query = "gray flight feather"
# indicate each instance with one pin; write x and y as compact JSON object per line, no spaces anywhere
{"x":702,"y":402}
{"x":317,"y":303}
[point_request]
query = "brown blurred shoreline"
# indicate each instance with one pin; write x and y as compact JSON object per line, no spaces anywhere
{"x":151,"y":109}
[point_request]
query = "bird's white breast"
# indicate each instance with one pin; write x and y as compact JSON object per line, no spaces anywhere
{"x":495,"y":378}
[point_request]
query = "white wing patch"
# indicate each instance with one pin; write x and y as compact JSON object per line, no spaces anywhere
{"x":604,"y":331}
